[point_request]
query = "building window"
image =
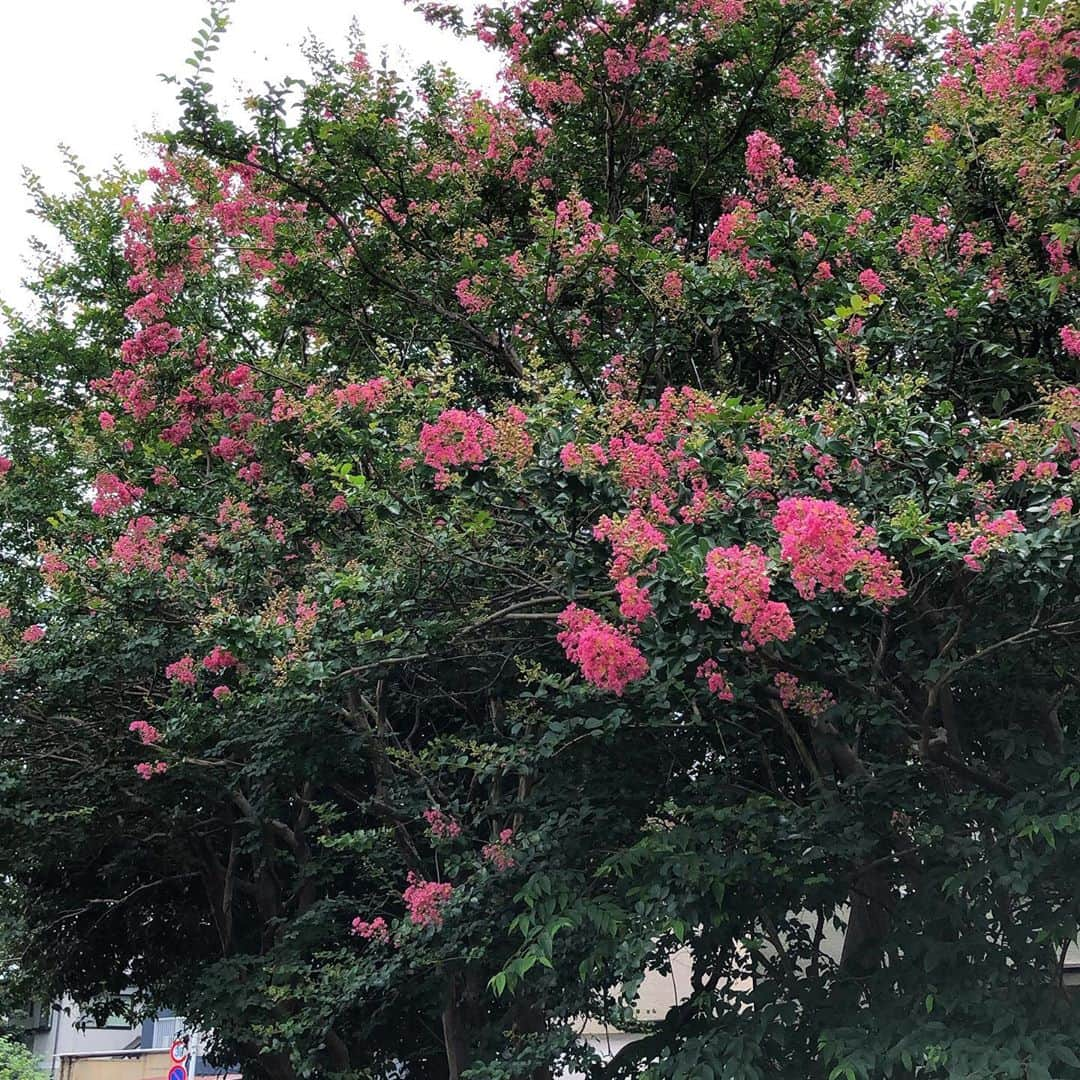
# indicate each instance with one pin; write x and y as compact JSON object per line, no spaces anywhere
{"x":166,"y":1028}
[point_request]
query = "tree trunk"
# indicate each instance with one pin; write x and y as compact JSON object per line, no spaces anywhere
{"x":455,"y":1035}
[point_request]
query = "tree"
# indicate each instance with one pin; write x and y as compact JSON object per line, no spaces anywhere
{"x":17,"y":1063}
{"x":458,"y":553}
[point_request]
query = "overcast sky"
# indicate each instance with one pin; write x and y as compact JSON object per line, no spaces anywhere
{"x":84,"y":73}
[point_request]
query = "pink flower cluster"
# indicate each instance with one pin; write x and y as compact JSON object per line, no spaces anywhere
{"x":823,"y":544}
{"x":803,"y":699}
{"x":367,"y":396}
{"x":441,"y":825}
{"x":148,"y":734}
{"x":987,"y":535}
{"x":137,"y":548}
{"x":714,"y":679}
{"x":376,"y":930}
{"x":633,"y":538}
{"x":758,"y":466}
{"x":146,"y":769}
{"x":723,"y":12}
{"x":471,"y":300}
{"x":672,"y":285}
{"x":922,"y":237}
{"x":621,"y":64}
{"x":549,"y":94}
{"x":763,"y":156}
{"x":498,"y":853}
{"x":52,"y":567}
{"x":635,"y":604}
{"x":606,"y":656}
{"x":456,"y":438}
{"x":112,"y":494}
{"x":218,"y":659}
{"x":737,"y":579}
{"x":1022,"y":61}
{"x":33,"y":633}
{"x":182,"y":671}
{"x":426,"y":900}
{"x":731,"y":236}
{"x":870,"y":282}
{"x":461,"y":438}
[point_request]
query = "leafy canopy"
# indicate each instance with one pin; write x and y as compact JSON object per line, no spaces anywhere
{"x":460,"y":553}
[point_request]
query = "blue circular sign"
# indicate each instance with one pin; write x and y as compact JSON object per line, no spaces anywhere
{"x":178,"y":1072}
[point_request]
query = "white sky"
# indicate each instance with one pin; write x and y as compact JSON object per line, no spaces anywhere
{"x":84,"y":73}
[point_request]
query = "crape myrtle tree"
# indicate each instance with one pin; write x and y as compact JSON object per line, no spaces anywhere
{"x":460,"y":551}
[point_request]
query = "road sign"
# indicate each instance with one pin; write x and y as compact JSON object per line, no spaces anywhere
{"x":178,"y":1072}
{"x":178,"y":1052}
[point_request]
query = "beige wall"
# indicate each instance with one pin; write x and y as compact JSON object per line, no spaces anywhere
{"x":143,"y":1065}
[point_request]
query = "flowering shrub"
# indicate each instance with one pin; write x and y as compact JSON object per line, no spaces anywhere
{"x":669,"y":465}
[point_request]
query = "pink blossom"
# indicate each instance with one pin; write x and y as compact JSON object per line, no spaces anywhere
{"x":218,"y":659}
{"x":229,"y":449}
{"x":52,"y":566}
{"x":548,"y":94}
{"x":1061,"y":506}
{"x":182,"y":671}
{"x":758,"y":466}
{"x":441,"y":825}
{"x":376,"y":930}
{"x":146,"y":770}
{"x":737,"y":579}
{"x":220,"y":693}
{"x":606,"y":656}
{"x":672,"y":285}
{"x":456,"y":438}
{"x":367,"y":396}
{"x":823,"y":545}
{"x":5,"y":465}
{"x":426,"y":900}
{"x":33,"y":633}
{"x":106,"y":420}
{"x":986,"y":535}
{"x":472,"y":301}
{"x":138,"y":548}
{"x":633,"y":538}
{"x":870,"y":281}
{"x":801,"y":698}
{"x":113,"y":494}
{"x":498,"y":852}
{"x":710,"y":671}
{"x":634,"y":603}
{"x":621,"y":65}
{"x":921,"y":237}
{"x":148,"y":734}
{"x":763,"y":156}
{"x":1070,"y":340}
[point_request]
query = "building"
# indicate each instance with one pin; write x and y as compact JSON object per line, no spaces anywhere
{"x":71,"y":1044}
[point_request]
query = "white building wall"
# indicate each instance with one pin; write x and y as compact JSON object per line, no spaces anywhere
{"x":68,"y":1035}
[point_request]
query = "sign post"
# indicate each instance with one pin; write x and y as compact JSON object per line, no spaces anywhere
{"x":178,"y":1055}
